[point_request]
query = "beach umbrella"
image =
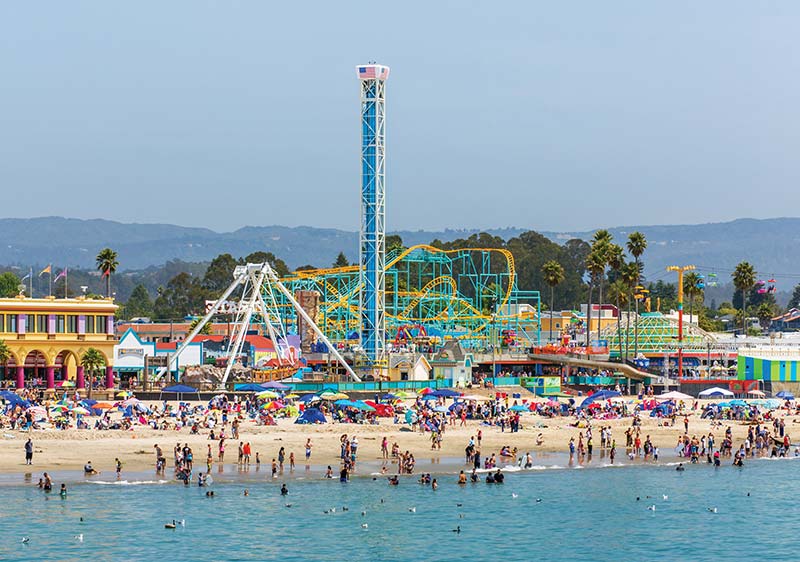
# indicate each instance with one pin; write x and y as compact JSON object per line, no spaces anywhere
{"x":339,"y":396}
{"x":389,"y":397}
{"x":442,"y":409}
{"x":275,"y":385}
{"x":124,"y":394}
{"x":59,"y":407}
{"x":401,"y":394}
{"x":675,"y":395}
{"x":38,"y":412}
{"x":101,"y":406}
{"x":785,"y":394}
{"x":131,"y":402}
{"x":738,"y":402}
{"x":430,"y":396}
{"x":756,"y":393}
{"x":309,"y":398}
{"x":358,"y":404}
{"x":343,"y":402}
{"x":328,"y":394}
{"x":80,"y":410}
{"x":519,"y":408}
{"x":248,"y":387}
{"x":267,"y":394}
{"x":292,"y":396}
{"x":426,"y":390}
{"x":67,"y":384}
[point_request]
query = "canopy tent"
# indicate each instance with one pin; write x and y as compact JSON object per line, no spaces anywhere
{"x":600,"y":395}
{"x":445,"y":393}
{"x":715,"y":392}
{"x":180,"y":390}
{"x":274,"y":385}
{"x":248,"y":387}
{"x":756,"y":392}
{"x":675,"y":395}
{"x":311,"y":415}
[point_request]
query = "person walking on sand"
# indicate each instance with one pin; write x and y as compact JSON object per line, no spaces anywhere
{"x":281,"y":457}
{"x":221,"y":455}
{"x":308,"y":449}
{"x":385,"y":448}
{"x":29,"y":451}
{"x":291,"y":461}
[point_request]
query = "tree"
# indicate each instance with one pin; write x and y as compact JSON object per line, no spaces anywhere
{"x":276,"y":263}
{"x":595,"y":265}
{"x":219,"y":274}
{"x":205,"y":330}
{"x":306,"y":267}
{"x":92,"y":361}
{"x":618,"y":292}
{"x":182,"y":297}
{"x":637,"y":244}
{"x":107,"y":263}
{"x":553,"y":275}
{"x":744,"y":278}
{"x":139,"y":304}
{"x":601,"y":247}
{"x":691,"y":286}
{"x":9,"y":285}
{"x":5,"y":355}
{"x":794,"y":302}
{"x":341,"y":260}
{"x":765,"y":313}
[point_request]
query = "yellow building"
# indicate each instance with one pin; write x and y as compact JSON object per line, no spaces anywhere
{"x":47,"y":338}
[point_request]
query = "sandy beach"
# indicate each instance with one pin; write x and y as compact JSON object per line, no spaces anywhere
{"x":71,"y":449}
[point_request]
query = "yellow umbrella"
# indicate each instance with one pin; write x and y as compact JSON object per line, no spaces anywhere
{"x":123,"y":394}
{"x":292,"y":396}
{"x":267,"y":394}
{"x":339,"y":396}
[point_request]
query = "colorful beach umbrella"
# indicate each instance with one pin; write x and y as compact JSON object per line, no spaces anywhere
{"x":80,"y":410}
{"x":123,"y":394}
{"x":102,"y":406}
{"x":267,"y":394}
{"x":67,"y":384}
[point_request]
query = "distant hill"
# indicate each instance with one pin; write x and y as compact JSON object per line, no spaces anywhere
{"x":770,"y":244}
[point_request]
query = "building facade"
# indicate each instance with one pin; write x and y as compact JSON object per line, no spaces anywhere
{"x":47,"y":338}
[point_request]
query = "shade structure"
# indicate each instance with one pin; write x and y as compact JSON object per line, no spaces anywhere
{"x":308,"y":398}
{"x":519,"y":408}
{"x":785,"y":394}
{"x":180,"y":390}
{"x":675,"y":395}
{"x":446,"y":393}
{"x":598,"y":396}
{"x":274,"y":385}
{"x":311,"y":415}
{"x":14,"y":399}
{"x":756,"y":392}
{"x":248,"y":387}
{"x":715,"y":392}
{"x":264,"y":394}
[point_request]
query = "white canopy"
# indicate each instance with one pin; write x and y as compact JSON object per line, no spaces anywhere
{"x":715,"y":391}
{"x":675,"y":395}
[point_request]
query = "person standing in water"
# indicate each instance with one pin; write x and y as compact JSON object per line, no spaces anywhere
{"x":29,"y":451}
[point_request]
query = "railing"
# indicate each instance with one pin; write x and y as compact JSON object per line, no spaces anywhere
{"x":383,"y":386}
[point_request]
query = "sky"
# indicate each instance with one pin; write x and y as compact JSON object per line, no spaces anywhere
{"x":543,"y":115}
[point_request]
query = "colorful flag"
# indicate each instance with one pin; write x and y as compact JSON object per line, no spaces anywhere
{"x":106,"y":273}
{"x":28,"y":275}
{"x":60,"y":275}
{"x":48,"y":269}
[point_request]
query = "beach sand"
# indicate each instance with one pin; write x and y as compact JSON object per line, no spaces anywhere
{"x":71,"y":449}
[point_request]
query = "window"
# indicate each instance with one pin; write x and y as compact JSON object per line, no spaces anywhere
{"x":11,"y":323}
{"x":90,"y":324}
{"x":30,"y":324}
{"x":41,"y":323}
{"x":60,"y":324}
{"x":72,"y":324}
{"x":2,"y":323}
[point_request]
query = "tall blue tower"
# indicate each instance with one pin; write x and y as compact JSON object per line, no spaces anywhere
{"x":372,"y":250}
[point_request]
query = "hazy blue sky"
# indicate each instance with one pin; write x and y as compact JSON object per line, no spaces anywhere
{"x":548,"y":115}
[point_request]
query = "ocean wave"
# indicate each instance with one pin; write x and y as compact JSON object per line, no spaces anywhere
{"x":127,"y":483}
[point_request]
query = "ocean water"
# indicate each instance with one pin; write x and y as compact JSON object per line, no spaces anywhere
{"x":558,"y":513}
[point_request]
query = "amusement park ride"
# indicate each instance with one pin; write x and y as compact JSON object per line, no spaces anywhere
{"x":417,"y":295}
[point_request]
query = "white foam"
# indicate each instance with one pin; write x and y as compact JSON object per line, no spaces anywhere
{"x":127,"y":483}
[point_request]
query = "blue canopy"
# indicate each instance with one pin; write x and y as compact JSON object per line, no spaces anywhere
{"x":14,"y":399}
{"x":248,"y":387}
{"x":785,"y":394}
{"x":311,"y":415}
{"x":445,"y":393}
{"x":308,"y":398}
{"x":179,"y":389}
{"x":600,"y":395}
{"x":430,"y":396}
{"x":274,"y":385}
{"x":343,"y":402}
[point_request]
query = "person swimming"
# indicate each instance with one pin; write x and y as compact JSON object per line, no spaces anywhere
{"x":462,"y":478}
{"x":284,"y":490}
{"x":680,"y":467}
{"x":63,"y":491}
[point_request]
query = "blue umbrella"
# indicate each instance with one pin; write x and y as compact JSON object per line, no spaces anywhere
{"x":519,"y":408}
{"x":445,"y":393}
{"x":343,"y":403}
{"x":785,"y":394}
{"x":308,"y":398}
{"x":430,"y":396}
{"x":274,"y":385}
{"x":388,"y":397}
{"x":442,"y":409}
{"x":248,"y":387}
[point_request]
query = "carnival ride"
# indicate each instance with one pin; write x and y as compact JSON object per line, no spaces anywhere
{"x":466,"y":294}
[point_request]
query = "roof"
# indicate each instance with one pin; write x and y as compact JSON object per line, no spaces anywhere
{"x":259,"y":343}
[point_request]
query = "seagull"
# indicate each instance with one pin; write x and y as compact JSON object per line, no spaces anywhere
{"x":712,"y":509}
{"x":345,"y":508}
{"x":381,"y":500}
{"x":25,"y":540}
{"x":79,"y":538}
{"x":665,"y":497}
{"x":651,"y":508}
{"x":333,"y":510}
{"x":364,"y":526}
{"x":459,"y":504}
{"x":513,"y":495}
{"x":288,"y":505}
{"x":538,"y":500}
{"x":412,"y":509}
{"x":182,"y":522}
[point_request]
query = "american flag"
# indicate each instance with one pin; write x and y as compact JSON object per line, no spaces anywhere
{"x":373,"y":71}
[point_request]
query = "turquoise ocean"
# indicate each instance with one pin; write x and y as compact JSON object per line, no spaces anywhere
{"x":551,"y":512}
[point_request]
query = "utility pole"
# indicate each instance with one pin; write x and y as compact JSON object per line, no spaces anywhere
{"x":680,"y":270}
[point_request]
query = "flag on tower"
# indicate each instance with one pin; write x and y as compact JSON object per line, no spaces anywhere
{"x":60,"y":275}
{"x":48,"y":269}
{"x":106,"y":273}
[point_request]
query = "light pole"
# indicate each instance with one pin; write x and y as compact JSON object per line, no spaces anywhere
{"x":680,"y":270}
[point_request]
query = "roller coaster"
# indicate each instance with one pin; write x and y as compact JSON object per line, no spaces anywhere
{"x":466,"y":294}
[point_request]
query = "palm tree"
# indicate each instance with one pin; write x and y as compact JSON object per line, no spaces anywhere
{"x":5,"y":355}
{"x":629,"y":274}
{"x":107,"y":263}
{"x":765,"y":314}
{"x":691,"y":285}
{"x":744,"y":277}
{"x":637,"y":244}
{"x":553,"y":273}
{"x":205,"y":330}
{"x":92,"y":361}
{"x":595,"y":265}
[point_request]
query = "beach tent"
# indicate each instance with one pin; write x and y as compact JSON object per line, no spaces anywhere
{"x":274,"y":385}
{"x":311,"y":415}
{"x":180,"y":390}
{"x":248,"y":387}
{"x":14,"y":399}
{"x":675,"y":395}
{"x":715,"y":392}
